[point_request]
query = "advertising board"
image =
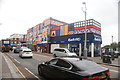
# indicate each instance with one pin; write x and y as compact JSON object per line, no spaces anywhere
{"x":89,"y":30}
{"x":65,"y":29}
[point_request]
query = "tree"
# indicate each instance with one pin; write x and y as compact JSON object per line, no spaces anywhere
{"x":119,"y":46}
{"x":107,"y":46}
{"x":114,"y":45}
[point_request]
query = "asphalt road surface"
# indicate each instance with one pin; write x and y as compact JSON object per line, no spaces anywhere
{"x":31,"y":64}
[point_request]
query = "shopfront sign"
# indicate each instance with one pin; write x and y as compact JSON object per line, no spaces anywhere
{"x":97,"y":38}
{"x":89,"y":30}
{"x":73,"y":39}
{"x":76,"y":39}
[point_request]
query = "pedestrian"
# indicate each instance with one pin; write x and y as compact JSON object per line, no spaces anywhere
{"x":11,"y":49}
{"x":102,"y":53}
{"x":38,"y":49}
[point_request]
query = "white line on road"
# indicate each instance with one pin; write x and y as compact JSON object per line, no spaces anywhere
{"x":17,"y":61}
{"x":17,"y":67}
{"x":31,"y":73}
{"x":25,"y":68}
{"x":114,"y":71}
{"x":14,"y":59}
{"x":9,"y":55}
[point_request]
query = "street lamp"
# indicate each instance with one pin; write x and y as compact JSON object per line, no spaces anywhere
{"x":112,"y":39}
{"x":85,"y":42}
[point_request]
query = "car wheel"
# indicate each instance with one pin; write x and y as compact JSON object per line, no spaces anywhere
{"x":40,"y":71}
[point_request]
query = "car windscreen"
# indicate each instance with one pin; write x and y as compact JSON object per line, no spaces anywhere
{"x":24,"y":48}
{"x":85,"y":64}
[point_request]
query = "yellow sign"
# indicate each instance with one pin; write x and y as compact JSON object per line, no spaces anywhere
{"x":33,"y":44}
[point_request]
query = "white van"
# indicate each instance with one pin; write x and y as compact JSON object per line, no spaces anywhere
{"x":62,"y":52}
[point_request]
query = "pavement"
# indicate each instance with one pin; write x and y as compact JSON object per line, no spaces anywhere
{"x":7,"y":69}
{"x":115,"y":62}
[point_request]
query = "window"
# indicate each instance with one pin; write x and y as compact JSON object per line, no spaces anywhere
{"x":63,"y":63}
{"x":27,"y":51}
{"x":6,"y":42}
{"x":62,"y":50}
{"x":56,"y":50}
{"x":53,"y":62}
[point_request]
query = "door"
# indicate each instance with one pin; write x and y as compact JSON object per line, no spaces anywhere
{"x":49,"y":69}
{"x":62,"y":52}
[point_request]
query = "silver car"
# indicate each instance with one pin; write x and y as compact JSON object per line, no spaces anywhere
{"x":60,"y":52}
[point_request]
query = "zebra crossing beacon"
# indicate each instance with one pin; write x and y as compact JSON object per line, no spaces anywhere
{"x":53,"y":33}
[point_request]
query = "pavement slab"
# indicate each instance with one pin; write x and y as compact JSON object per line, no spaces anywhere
{"x":9,"y":71}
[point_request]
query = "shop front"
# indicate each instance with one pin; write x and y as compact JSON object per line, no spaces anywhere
{"x":75,"y":43}
{"x":45,"y":48}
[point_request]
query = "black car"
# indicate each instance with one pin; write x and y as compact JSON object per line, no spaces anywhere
{"x":68,"y":68}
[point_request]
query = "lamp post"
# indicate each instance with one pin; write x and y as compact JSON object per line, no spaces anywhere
{"x":85,"y":41}
{"x":112,"y":39}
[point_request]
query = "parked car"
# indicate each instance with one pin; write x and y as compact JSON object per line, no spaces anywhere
{"x":68,"y":68}
{"x":116,"y":54}
{"x":26,"y":53}
{"x":63,"y":52}
{"x":17,"y":50}
{"x":23,"y":47}
{"x":13,"y":48}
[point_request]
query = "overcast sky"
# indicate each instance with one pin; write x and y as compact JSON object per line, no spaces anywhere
{"x":17,"y":16}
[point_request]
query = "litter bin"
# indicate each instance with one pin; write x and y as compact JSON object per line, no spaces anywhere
{"x":107,"y":59}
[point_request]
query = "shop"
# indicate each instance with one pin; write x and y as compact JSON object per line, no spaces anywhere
{"x":75,"y":43}
{"x":45,"y":48}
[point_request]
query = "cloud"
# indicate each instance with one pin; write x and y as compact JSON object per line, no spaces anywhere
{"x":19,"y":15}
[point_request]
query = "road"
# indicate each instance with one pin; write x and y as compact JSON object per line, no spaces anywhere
{"x":31,"y":64}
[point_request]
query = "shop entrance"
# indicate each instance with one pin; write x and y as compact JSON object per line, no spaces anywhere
{"x":74,"y":48}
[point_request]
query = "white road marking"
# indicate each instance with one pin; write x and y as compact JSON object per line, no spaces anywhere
{"x":17,"y":61}
{"x":25,"y":68}
{"x":114,"y":71}
{"x":31,"y":73}
{"x":9,"y":55}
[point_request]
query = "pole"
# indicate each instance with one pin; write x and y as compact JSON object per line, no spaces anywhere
{"x":85,"y":42}
{"x":112,"y":39}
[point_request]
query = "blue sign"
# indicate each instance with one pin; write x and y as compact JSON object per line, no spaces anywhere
{"x":74,"y":39}
{"x":77,"y":39}
{"x":97,"y":39}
